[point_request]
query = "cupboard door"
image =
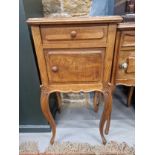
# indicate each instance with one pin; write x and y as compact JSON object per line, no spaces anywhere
{"x":75,"y":66}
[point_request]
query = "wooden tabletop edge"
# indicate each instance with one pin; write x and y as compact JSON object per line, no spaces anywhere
{"x":126,"y":25}
{"x":67,"y":20}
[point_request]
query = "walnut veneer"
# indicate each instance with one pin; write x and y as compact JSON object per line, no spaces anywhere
{"x":76,"y":54}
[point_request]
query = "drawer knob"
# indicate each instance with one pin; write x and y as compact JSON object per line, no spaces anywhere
{"x":54,"y":68}
{"x":73,"y":34}
{"x":124,"y":65}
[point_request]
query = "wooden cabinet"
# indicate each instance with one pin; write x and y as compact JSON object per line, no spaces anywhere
{"x":124,"y":57}
{"x":76,"y":54}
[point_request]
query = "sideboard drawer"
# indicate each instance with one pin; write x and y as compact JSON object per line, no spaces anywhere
{"x":74,"y":66}
{"x":74,"y":33}
{"x":127,"y":39}
{"x":126,"y":65}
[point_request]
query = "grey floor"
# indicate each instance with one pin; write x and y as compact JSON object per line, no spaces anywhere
{"x":80,"y":124}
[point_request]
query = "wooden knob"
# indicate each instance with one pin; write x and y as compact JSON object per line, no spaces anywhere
{"x":54,"y":68}
{"x":73,"y":34}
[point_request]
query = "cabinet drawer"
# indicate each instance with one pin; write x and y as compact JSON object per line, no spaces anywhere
{"x":50,"y":34}
{"x":127,"y":39}
{"x":75,"y":66}
{"x":126,"y":65}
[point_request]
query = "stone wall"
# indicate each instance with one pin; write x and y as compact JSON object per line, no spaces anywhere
{"x":66,"y":7}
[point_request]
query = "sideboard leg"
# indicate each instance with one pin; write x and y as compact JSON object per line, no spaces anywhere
{"x":96,"y":101}
{"x":102,"y":122}
{"x":46,"y":111}
{"x":106,"y":114}
{"x":59,"y":101}
{"x":131,"y":90}
{"x":109,"y":110}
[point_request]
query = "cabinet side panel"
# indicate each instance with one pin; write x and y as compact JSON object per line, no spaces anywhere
{"x":115,"y":59}
{"x":39,"y":52}
{"x":109,"y":52}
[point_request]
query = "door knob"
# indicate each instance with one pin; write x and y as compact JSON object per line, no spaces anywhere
{"x":73,"y":34}
{"x":124,"y":65}
{"x":54,"y":68}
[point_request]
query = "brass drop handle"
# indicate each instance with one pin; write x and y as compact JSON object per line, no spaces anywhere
{"x":54,"y":68}
{"x":124,"y":65}
{"x":73,"y":34}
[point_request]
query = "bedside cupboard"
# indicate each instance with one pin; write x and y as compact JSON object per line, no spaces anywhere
{"x":79,"y":54}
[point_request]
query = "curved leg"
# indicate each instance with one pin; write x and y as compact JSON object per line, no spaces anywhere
{"x":109,"y":114}
{"x":106,"y":114}
{"x":59,"y":101}
{"x":96,"y":101}
{"x":86,"y":98}
{"x":102,"y":122}
{"x":130,"y":95}
{"x":46,"y":111}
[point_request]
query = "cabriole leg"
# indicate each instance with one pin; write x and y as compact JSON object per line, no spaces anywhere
{"x":46,"y":111}
{"x":96,"y":101}
{"x":106,"y":114}
{"x":131,"y":90}
{"x":59,"y":101}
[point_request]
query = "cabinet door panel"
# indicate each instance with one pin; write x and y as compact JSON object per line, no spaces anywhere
{"x":126,"y":58}
{"x":75,"y":66}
